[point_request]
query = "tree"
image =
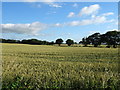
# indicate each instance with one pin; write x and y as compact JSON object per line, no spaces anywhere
{"x":9,"y":41}
{"x":85,"y":41}
{"x":95,"y":39}
{"x":59,"y":41}
{"x":69,"y":42}
{"x":51,"y":43}
{"x":75,"y":42}
{"x":111,"y":38}
{"x":35,"y":42}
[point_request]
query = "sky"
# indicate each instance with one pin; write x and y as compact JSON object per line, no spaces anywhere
{"x":52,"y":20}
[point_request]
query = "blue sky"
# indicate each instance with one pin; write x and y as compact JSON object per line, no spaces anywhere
{"x":49,"y":21}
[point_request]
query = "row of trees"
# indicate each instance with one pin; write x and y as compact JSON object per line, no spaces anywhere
{"x":29,"y":41}
{"x":111,"y":39}
{"x":69,"y":42}
{"x":37,"y":42}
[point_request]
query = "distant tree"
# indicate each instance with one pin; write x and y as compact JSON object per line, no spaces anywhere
{"x":51,"y":43}
{"x":95,"y":39}
{"x":75,"y":42}
{"x":112,"y":38}
{"x":59,"y":41}
{"x":3,"y":40}
{"x":35,"y":42}
{"x":85,"y":41}
{"x":0,"y":40}
{"x":9,"y":41}
{"x":69,"y":42}
{"x":81,"y":42}
{"x":24,"y":41}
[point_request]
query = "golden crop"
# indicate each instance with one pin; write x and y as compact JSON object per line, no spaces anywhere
{"x":42,"y":66}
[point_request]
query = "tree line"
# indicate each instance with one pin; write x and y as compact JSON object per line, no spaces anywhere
{"x":27,"y":41}
{"x":110,"y":38}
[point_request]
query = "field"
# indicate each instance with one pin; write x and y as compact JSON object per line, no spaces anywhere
{"x":42,"y":66}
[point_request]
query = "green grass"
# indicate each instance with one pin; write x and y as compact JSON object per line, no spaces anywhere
{"x":42,"y":66}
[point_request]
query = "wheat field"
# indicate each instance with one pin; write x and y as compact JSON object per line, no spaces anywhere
{"x":41,"y":66}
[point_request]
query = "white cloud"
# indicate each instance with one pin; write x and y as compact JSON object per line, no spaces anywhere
{"x":93,"y":16}
{"x":75,"y":5}
{"x":35,"y":27}
{"x":99,"y":19}
{"x":107,"y":14}
{"x":52,"y":3}
{"x":57,"y":25}
{"x":71,"y":14}
{"x":89,"y":10}
{"x":31,"y":29}
{"x":93,"y":20}
{"x":74,"y":23}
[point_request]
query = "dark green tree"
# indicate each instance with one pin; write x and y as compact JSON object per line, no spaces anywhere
{"x":69,"y":42}
{"x":59,"y":41}
{"x":85,"y":41}
{"x":51,"y":43}
{"x":111,"y":38}
{"x":95,"y":39}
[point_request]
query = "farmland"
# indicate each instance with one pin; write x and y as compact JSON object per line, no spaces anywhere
{"x":44,"y":66}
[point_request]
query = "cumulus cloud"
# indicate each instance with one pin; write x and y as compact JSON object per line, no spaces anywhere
{"x":89,"y":10}
{"x":31,"y":29}
{"x":35,"y":27}
{"x":93,"y":20}
{"x":71,"y":14}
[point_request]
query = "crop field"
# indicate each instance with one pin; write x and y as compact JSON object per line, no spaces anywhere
{"x":41,"y":66}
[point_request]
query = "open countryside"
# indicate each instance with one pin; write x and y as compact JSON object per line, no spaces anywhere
{"x":60,"y":45}
{"x":35,"y":66}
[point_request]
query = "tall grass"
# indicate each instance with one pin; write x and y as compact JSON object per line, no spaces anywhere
{"x":37,"y":66}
